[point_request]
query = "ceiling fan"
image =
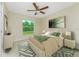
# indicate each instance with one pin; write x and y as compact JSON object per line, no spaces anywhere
{"x":38,"y":9}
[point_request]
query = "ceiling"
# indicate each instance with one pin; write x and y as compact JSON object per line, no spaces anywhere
{"x":22,"y":7}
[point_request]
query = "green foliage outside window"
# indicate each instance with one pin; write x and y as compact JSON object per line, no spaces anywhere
{"x":28,"y":27}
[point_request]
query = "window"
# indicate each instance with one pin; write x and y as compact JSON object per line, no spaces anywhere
{"x":28,"y":27}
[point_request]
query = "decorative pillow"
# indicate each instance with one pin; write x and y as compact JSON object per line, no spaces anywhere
{"x":55,"y":34}
{"x":40,"y":38}
{"x":47,"y":33}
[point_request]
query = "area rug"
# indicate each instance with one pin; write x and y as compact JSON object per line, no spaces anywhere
{"x":26,"y":51}
{"x":64,"y":52}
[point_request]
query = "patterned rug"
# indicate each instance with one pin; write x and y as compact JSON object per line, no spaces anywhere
{"x":26,"y":51}
{"x":64,"y":52}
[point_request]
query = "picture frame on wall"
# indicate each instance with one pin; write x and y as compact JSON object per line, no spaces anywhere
{"x":6,"y":28}
{"x":5,"y":24}
{"x":59,"y":22}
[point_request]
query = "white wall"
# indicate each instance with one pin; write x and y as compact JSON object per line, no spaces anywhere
{"x":1,"y":29}
{"x":15,"y":25}
{"x":72,"y":21}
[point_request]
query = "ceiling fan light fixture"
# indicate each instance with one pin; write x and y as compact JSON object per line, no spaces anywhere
{"x":37,"y":9}
{"x":35,"y":13}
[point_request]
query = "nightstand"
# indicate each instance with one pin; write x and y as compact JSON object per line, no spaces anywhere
{"x":7,"y":43}
{"x":68,"y":41}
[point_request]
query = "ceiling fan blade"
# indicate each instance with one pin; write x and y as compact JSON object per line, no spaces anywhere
{"x":31,"y":10}
{"x":35,"y":6}
{"x":42,"y":12}
{"x":44,"y":8}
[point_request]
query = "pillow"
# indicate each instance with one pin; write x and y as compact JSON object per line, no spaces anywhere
{"x":55,"y":34}
{"x":40,"y":38}
{"x":47,"y":33}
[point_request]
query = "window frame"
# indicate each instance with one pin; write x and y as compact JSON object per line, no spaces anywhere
{"x":33,"y":27}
